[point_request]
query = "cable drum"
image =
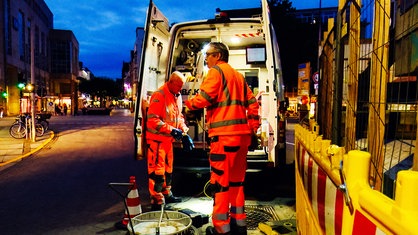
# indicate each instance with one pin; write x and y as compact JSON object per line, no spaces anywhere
{"x":173,"y":223}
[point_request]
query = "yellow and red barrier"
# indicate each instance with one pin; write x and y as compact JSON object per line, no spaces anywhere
{"x":334,"y":200}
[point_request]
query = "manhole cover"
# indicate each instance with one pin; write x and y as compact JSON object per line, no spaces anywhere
{"x":259,"y":213}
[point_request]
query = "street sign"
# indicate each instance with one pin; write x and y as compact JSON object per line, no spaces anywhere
{"x":315,"y":77}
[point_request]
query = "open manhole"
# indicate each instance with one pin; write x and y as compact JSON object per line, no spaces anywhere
{"x":259,"y":213}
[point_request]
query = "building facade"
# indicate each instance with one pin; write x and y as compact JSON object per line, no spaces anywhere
{"x":30,"y":53}
{"x":25,"y":29}
{"x":130,"y":75}
{"x":64,"y":70}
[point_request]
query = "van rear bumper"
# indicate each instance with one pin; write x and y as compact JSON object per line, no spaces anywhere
{"x":197,"y":161}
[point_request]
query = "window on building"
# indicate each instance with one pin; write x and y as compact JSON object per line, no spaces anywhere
{"x":37,"y":41}
{"x":21,"y":33}
{"x":8,"y":28}
{"x":29,"y":45}
{"x":43,"y":44}
{"x":65,"y":88}
{"x":61,"y":57}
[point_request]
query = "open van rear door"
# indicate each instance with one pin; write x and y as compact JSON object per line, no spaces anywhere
{"x":274,"y":94}
{"x":275,"y":63}
{"x":152,"y":70}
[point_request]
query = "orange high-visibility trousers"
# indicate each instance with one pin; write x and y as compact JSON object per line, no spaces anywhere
{"x":228,"y":161}
{"x":160,"y":169}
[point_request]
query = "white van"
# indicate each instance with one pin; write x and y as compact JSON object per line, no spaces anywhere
{"x":253,"y":51}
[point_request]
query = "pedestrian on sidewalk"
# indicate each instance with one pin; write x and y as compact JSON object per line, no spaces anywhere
{"x":65,"y":109}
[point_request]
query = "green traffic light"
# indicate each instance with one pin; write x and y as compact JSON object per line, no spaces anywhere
{"x":21,"y":85}
{"x":4,"y":94}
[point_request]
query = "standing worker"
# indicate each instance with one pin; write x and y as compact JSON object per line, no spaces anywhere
{"x":232,"y":119}
{"x":165,"y":124}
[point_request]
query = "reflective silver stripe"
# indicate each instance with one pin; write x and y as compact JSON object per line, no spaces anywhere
{"x":226,"y":103}
{"x":152,"y":116}
{"x":252,"y":100}
{"x":157,"y":132}
{"x":206,"y":96}
{"x":226,"y":228}
{"x":239,"y":222}
{"x":220,"y":216}
{"x":255,"y":117}
{"x":167,"y":118}
{"x":238,"y":210}
{"x":224,"y":84}
{"x":227,"y":123}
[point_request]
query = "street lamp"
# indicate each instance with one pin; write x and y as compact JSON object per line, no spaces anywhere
{"x":30,"y":88}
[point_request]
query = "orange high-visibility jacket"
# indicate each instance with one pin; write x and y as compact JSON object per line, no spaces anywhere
{"x":231,"y":106}
{"x":164,"y":114}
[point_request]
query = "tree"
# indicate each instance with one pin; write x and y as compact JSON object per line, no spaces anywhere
{"x":298,"y":42}
{"x":101,"y":88}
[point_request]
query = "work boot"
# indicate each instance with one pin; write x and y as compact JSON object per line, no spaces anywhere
{"x":173,"y":199}
{"x":238,"y":230}
{"x":119,"y":225}
{"x":210,"y":230}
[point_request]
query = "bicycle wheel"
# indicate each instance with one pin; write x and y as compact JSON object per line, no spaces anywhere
{"x":17,"y":131}
{"x":39,"y":129}
{"x":44,"y":123}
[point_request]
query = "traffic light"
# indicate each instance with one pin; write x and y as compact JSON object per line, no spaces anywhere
{"x":305,"y":99}
{"x":21,"y":85}
{"x":4,"y":94}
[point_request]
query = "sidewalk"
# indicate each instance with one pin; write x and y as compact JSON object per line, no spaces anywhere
{"x":12,"y":150}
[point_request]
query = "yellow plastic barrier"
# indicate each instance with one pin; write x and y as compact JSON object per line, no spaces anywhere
{"x":334,"y":201}
{"x":375,"y":212}
{"x":307,"y":222}
{"x":319,"y":202}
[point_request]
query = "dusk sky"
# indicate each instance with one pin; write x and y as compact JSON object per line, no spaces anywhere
{"x":105,"y":29}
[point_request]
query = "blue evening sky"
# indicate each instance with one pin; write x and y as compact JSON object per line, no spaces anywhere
{"x":105,"y":29}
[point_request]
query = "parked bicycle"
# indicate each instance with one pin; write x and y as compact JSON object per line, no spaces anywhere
{"x":22,"y":127}
{"x":42,"y":118}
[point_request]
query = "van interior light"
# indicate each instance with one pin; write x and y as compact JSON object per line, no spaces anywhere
{"x":235,"y":40}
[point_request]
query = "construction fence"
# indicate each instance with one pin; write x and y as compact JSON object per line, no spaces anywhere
{"x":368,"y":95}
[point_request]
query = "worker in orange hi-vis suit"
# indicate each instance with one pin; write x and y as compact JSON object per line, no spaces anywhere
{"x":165,"y":124}
{"x":232,"y":119}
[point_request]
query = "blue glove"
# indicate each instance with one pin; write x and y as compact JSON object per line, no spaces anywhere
{"x":187,"y":143}
{"x":176,"y":133}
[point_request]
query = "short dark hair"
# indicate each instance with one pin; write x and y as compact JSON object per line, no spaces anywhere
{"x":222,"y":49}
